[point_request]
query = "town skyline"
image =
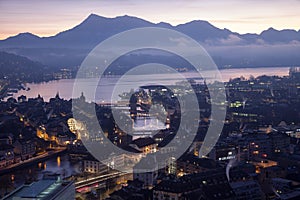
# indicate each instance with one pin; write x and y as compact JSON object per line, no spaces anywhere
{"x":150,"y":100}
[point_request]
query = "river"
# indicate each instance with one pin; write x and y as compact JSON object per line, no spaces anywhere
{"x":59,"y":164}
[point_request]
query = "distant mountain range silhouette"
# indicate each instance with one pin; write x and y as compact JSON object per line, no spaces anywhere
{"x":68,"y":48}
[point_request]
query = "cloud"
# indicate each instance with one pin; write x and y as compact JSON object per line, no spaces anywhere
{"x":260,"y":42}
{"x":231,"y":40}
{"x":182,"y":42}
{"x":295,"y":42}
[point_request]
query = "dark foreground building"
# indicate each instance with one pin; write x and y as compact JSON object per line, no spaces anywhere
{"x":50,"y":188}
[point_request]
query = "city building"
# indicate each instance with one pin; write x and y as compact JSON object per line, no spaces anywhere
{"x":50,"y":188}
{"x":189,"y":164}
{"x":284,"y":186}
{"x":133,"y":190}
{"x":6,"y":155}
{"x":294,"y":195}
{"x":223,"y":152}
{"x":123,"y":162}
{"x":25,"y":148}
{"x":280,"y":143}
{"x":145,"y":145}
{"x":254,"y":145}
{"x":92,"y":165}
{"x":247,"y":190}
{"x":171,"y":166}
{"x":146,"y":171}
{"x":210,"y":185}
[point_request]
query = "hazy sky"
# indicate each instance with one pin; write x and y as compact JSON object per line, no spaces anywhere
{"x":48,"y":17}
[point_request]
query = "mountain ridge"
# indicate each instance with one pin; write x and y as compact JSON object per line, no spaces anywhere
{"x":94,"y":17}
{"x":69,"y":47}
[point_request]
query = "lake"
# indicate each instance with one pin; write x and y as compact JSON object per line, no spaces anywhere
{"x":106,"y":85}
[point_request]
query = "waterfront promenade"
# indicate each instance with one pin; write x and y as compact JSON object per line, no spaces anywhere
{"x":33,"y":160}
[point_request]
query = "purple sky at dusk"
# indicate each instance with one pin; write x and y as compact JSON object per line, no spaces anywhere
{"x":48,"y":17}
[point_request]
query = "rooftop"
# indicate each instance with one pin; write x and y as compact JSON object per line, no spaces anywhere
{"x":44,"y":189}
{"x":291,"y":196}
{"x":143,"y":142}
{"x":250,"y":183}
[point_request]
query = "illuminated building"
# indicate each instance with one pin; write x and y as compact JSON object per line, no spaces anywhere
{"x":223,"y":152}
{"x":92,"y":165}
{"x":145,"y":145}
{"x":41,"y":133}
{"x":171,"y":166}
{"x":75,"y":127}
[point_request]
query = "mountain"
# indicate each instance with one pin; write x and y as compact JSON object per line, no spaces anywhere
{"x":22,"y":39}
{"x":70,"y":47}
{"x":272,"y":35}
{"x":87,"y":34}
{"x":203,"y":31}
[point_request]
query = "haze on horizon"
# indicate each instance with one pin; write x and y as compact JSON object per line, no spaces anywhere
{"x":46,"y":18}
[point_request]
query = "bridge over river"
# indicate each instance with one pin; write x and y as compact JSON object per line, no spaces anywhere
{"x":101,"y":181}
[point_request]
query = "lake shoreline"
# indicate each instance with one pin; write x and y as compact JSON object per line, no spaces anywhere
{"x":107,"y":84}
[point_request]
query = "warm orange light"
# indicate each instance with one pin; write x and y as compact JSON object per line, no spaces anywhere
{"x":255,"y":152}
{"x":58,"y":161}
{"x":265,"y":155}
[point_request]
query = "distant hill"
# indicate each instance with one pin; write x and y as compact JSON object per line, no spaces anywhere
{"x":14,"y":68}
{"x":68,"y":48}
